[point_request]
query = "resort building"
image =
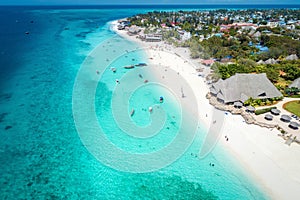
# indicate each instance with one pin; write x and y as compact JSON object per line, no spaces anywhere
{"x":273,"y":24}
{"x":292,"y":57}
{"x":271,"y":61}
{"x":256,"y":35}
{"x":241,"y":87}
{"x":186,"y":36}
{"x":123,"y":24}
{"x":133,"y":30}
{"x":295,"y":84}
{"x":152,"y":37}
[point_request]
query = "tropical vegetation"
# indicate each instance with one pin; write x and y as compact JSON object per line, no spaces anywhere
{"x":263,"y":111}
{"x":240,"y":40}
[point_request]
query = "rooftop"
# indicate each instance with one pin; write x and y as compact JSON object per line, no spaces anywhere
{"x":296,"y":83}
{"x":241,"y":87}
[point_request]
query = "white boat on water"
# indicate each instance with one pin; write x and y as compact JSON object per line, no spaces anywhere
{"x":113,"y":69}
{"x":132,"y":112}
{"x":129,"y":67}
{"x":141,"y":64}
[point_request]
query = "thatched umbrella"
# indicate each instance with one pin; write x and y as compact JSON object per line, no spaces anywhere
{"x":275,"y":111}
{"x":237,"y":104}
{"x":285,"y":118}
{"x":294,"y":125}
{"x":250,"y":109}
{"x":268,"y":117}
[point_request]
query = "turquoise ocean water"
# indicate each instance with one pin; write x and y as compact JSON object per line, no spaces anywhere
{"x":41,"y":154}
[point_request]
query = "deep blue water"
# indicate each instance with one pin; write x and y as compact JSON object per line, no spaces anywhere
{"x":41,"y":154}
{"x":166,"y":6}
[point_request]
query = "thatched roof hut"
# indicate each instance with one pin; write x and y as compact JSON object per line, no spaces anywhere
{"x":241,"y":87}
{"x":271,"y":61}
{"x":275,"y":111}
{"x":268,"y":117}
{"x":295,"y":83}
{"x":285,"y":118}
{"x":292,"y":57}
{"x":294,"y":125}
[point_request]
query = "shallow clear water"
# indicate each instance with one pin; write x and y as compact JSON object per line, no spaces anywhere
{"x":41,"y":154}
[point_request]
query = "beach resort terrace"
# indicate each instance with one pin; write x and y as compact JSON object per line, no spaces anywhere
{"x":230,"y":95}
{"x":276,"y":118}
{"x":282,"y":120}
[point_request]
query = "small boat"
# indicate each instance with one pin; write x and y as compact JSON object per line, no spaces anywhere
{"x":27,"y":32}
{"x":146,"y":81}
{"x":132,"y":112}
{"x":141,"y":65}
{"x":150,"y":109}
{"x":161,"y":99}
{"x":129,"y":67}
{"x":113,"y":69}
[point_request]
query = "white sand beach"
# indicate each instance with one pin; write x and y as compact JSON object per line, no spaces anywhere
{"x":260,"y":150}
